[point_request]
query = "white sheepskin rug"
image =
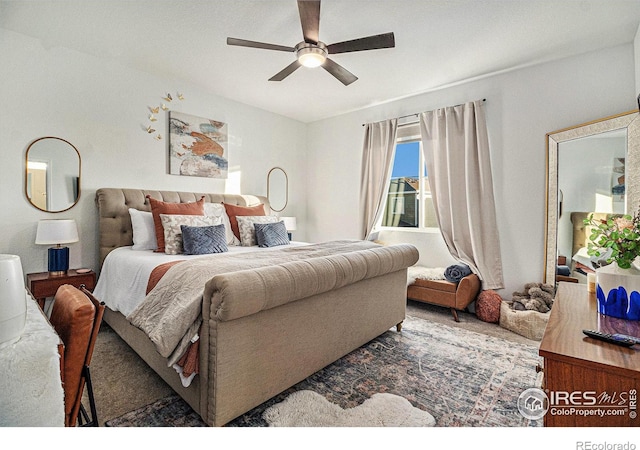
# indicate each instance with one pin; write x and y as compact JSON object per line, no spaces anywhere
{"x":31,"y":392}
{"x":424,"y":273}
{"x":310,"y":409}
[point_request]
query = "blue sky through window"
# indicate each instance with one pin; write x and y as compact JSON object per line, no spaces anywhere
{"x":407,"y":160}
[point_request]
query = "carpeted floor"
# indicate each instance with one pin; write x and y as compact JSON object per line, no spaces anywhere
{"x":485,"y":371}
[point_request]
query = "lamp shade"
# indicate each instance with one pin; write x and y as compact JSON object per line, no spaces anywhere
{"x":57,"y":231}
{"x":13,"y":299}
{"x":289,"y":223}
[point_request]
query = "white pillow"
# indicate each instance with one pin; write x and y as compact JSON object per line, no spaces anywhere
{"x":173,"y":233}
{"x":218,"y":210}
{"x":144,"y":231}
{"x":247,"y":230}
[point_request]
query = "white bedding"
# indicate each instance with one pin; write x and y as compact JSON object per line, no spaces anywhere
{"x":123,"y":279}
{"x":592,"y":262}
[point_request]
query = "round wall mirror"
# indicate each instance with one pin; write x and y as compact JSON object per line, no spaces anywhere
{"x":278,"y":189}
{"x":52,"y":178}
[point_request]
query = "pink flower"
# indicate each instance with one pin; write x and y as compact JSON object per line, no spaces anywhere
{"x":622,"y":223}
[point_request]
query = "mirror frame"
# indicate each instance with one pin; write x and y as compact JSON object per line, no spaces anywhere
{"x":628,"y":120}
{"x":286,"y":188}
{"x":26,"y":174}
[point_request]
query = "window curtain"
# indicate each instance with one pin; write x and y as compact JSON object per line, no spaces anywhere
{"x":456,"y":151}
{"x":377,"y":158}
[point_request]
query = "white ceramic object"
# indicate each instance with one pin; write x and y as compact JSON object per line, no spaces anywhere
{"x":618,"y":291}
{"x":13,"y":299}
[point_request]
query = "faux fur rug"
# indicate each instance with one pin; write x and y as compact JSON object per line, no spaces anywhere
{"x":424,"y":273}
{"x":310,"y":409}
{"x":460,"y":377}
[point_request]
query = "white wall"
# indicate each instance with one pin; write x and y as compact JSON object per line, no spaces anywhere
{"x":102,"y":108}
{"x":636,"y":51}
{"x":522,"y":106}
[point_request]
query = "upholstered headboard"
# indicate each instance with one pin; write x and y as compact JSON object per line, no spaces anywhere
{"x":114,"y":221}
{"x":581,"y":232}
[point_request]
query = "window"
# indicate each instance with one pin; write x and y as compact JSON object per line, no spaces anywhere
{"x":409,"y":203}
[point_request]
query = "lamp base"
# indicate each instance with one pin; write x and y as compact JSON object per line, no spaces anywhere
{"x":58,"y":260}
{"x":57,"y":273}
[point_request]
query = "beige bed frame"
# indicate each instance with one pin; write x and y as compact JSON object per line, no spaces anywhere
{"x":247,"y":360}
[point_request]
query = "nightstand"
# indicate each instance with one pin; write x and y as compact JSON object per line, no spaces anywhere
{"x":43,"y":285}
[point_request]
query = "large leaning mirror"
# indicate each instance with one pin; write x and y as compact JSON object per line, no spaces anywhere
{"x":52,"y":178}
{"x":591,"y":168}
{"x":278,"y":189}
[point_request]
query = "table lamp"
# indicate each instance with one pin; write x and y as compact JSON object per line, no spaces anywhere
{"x":13,"y":300}
{"x":57,"y":232}
{"x":290,"y":224}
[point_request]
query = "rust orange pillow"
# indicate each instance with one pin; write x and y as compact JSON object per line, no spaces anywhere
{"x":233,"y":211}
{"x":159,"y":207}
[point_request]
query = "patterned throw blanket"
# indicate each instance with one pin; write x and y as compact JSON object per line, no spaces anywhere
{"x":170,"y":314}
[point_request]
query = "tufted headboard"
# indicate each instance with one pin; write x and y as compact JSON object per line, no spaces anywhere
{"x":581,"y":232}
{"x":114,"y":221}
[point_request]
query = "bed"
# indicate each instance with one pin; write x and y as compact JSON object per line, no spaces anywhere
{"x":581,"y":262}
{"x":267,"y":318}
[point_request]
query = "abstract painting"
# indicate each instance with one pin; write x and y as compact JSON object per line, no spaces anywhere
{"x":197,"y":146}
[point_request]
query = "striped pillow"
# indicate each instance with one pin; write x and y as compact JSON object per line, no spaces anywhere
{"x":271,"y":234}
{"x":204,"y":240}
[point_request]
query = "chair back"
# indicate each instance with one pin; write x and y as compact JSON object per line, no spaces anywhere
{"x":76,"y":316}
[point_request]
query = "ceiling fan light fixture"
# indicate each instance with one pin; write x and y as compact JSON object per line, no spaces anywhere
{"x":310,"y":55}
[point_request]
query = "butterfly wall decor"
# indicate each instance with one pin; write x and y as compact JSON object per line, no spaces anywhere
{"x":156,"y":109}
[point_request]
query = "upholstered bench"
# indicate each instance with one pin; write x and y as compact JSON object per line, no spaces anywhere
{"x":456,"y":296}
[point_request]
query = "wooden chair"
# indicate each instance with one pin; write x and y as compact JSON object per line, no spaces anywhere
{"x":76,"y":316}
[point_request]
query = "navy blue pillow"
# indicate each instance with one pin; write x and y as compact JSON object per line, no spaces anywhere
{"x":271,"y":234}
{"x":204,"y":240}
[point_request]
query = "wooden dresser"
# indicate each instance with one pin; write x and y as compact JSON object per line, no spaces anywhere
{"x":585,"y":376}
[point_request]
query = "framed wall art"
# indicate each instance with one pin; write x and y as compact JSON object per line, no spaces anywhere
{"x":197,"y":146}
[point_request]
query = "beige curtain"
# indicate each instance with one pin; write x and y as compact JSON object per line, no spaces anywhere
{"x":377,"y":158}
{"x":456,"y":150}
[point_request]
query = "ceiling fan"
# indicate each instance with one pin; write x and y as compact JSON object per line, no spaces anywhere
{"x":312,"y":52}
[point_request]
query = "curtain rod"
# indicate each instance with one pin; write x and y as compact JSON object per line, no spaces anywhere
{"x":415,"y":114}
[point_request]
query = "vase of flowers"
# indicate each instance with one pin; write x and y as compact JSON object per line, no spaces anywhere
{"x":617,"y":239}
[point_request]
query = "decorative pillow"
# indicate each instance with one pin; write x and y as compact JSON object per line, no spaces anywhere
{"x":173,"y":233}
{"x":158,"y":207}
{"x":218,"y":210}
{"x":248,"y":231}
{"x":204,"y":240}
{"x":488,"y":306}
{"x":233,"y":211}
{"x":271,"y":234}
{"x":144,"y":232}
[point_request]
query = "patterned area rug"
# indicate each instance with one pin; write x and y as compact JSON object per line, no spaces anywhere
{"x":461,"y":378}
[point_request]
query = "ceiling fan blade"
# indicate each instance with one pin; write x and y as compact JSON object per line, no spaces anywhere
{"x":339,"y":72}
{"x":386,"y":40}
{"x":254,"y":44}
{"x":284,"y":73}
{"x":310,"y":20}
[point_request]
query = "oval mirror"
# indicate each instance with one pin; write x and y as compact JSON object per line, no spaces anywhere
{"x":278,"y":189}
{"x":52,"y":179}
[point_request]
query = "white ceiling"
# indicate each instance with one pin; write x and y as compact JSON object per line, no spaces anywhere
{"x":438,"y":42}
